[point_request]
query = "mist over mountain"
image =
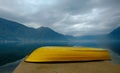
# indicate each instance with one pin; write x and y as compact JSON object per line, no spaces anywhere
{"x":13,"y":31}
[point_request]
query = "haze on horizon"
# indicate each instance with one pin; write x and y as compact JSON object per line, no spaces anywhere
{"x":71,"y":17}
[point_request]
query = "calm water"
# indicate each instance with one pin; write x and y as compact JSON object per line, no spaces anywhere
{"x":11,"y":52}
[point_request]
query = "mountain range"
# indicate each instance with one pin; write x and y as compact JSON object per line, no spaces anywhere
{"x":13,"y":31}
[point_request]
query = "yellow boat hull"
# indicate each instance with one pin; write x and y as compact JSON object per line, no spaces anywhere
{"x":62,"y":54}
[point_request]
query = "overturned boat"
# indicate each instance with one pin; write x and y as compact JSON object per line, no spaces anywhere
{"x":64,"y":54}
{"x":67,"y":60}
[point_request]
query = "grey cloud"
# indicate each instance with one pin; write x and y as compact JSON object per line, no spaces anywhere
{"x":73,"y":17}
{"x":76,"y":6}
{"x":12,"y":16}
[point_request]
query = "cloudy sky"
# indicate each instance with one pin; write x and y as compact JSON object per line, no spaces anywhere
{"x":71,"y":17}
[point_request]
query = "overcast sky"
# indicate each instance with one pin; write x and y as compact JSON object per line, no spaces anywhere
{"x":71,"y":17}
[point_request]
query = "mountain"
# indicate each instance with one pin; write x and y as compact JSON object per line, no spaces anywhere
{"x":115,"y":34}
{"x":114,"y":40}
{"x":10,"y":30}
{"x":49,"y":35}
{"x":13,"y":31}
